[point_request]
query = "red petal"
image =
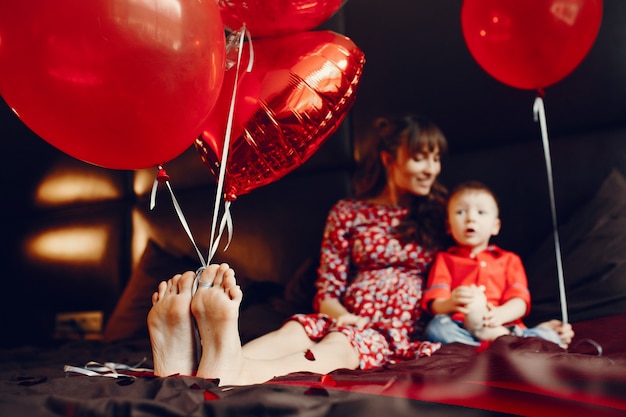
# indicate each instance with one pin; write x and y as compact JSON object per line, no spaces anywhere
{"x":209,"y":396}
{"x":484,"y":345}
{"x":328,"y":380}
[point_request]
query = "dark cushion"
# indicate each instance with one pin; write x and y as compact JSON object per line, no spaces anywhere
{"x":128,"y":320}
{"x":593,"y":248}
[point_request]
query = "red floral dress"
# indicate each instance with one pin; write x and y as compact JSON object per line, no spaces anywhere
{"x":364,"y":265}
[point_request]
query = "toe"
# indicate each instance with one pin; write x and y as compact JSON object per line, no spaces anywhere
{"x":235,"y":293}
{"x":208,"y":276}
{"x":185,"y":283}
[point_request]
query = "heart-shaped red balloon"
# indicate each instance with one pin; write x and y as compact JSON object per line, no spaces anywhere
{"x":276,"y":17}
{"x":299,"y":91}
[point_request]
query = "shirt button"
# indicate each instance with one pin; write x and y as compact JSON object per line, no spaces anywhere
{"x":483,"y":264}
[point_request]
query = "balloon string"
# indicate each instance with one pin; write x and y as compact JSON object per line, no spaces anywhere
{"x":226,"y":222}
{"x":162,"y":177}
{"x":226,"y":219}
{"x":540,"y":115}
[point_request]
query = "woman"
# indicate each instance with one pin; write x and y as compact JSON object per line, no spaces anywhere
{"x":376,"y":252}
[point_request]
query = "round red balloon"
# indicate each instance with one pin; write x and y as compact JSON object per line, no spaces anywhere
{"x":276,"y":17}
{"x":530,"y":44}
{"x":298,"y":92}
{"x":121,"y":84}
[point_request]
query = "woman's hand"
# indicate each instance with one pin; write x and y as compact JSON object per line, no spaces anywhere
{"x":343,"y":317}
{"x":349,"y":319}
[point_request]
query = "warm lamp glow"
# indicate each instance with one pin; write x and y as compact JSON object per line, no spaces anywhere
{"x":66,"y":187}
{"x":69,"y":244}
{"x":140,"y":235}
{"x":144,"y":178}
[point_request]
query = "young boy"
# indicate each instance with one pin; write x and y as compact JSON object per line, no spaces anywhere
{"x":477,"y":291}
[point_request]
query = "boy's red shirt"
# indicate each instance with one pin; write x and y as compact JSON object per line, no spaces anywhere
{"x":501,"y":272}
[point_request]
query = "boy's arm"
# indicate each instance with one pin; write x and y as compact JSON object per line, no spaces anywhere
{"x":442,"y":306}
{"x":459,"y":298}
{"x":510,"y":311}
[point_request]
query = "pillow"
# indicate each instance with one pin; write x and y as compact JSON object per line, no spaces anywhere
{"x":300,"y":290}
{"x":593,"y":253}
{"x":128,"y":320}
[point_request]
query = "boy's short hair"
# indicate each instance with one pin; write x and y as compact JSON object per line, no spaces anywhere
{"x":473,"y":185}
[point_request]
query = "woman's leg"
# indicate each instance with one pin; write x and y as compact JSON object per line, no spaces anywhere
{"x":290,"y":338}
{"x":333,"y":352}
{"x":216,"y":310}
{"x":171,"y":327}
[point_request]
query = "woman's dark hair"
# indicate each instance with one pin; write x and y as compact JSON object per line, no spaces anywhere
{"x":425,"y":220}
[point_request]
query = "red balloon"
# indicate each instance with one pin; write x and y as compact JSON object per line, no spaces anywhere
{"x":276,"y":17}
{"x":298,"y":92}
{"x":121,"y":84}
{"x":530,"y":44}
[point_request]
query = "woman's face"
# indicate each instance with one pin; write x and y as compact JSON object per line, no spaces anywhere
{"x":414,"y":173}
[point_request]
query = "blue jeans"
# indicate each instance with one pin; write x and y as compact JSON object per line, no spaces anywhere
{"x":445,"y":330}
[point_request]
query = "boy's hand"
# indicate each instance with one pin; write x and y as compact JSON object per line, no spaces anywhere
{"x":461,"y":296}
{"x":492,"y":318}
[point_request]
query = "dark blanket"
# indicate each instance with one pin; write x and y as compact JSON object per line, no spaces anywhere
{"x":515,"y":376}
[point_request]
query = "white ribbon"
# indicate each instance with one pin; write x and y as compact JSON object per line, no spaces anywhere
{"x":179,"y":211}
{"x":540,"y":115}
{"x":108,"y":369}
{"x":237,"y":38}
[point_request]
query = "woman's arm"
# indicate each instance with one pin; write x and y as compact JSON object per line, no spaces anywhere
{"x":335,"y":256}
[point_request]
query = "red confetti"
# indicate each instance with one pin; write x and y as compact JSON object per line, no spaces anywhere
{"x":328,"y":380}
{"x":209,"y":396}
{"x":309,"y":355}
{"x":484,"y":345}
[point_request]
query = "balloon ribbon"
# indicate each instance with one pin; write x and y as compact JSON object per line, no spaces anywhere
{"x":236,"y":39}
{"x":162,"y":177}
{"x":540,"y":115}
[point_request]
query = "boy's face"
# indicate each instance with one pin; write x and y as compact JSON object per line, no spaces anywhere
{"x":473,"y":219}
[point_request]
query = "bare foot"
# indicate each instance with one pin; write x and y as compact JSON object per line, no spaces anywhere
{"x":216,"y":310}
{"x":171,"y":327}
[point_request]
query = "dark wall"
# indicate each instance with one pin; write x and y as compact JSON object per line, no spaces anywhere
{"x":417,"y":60}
